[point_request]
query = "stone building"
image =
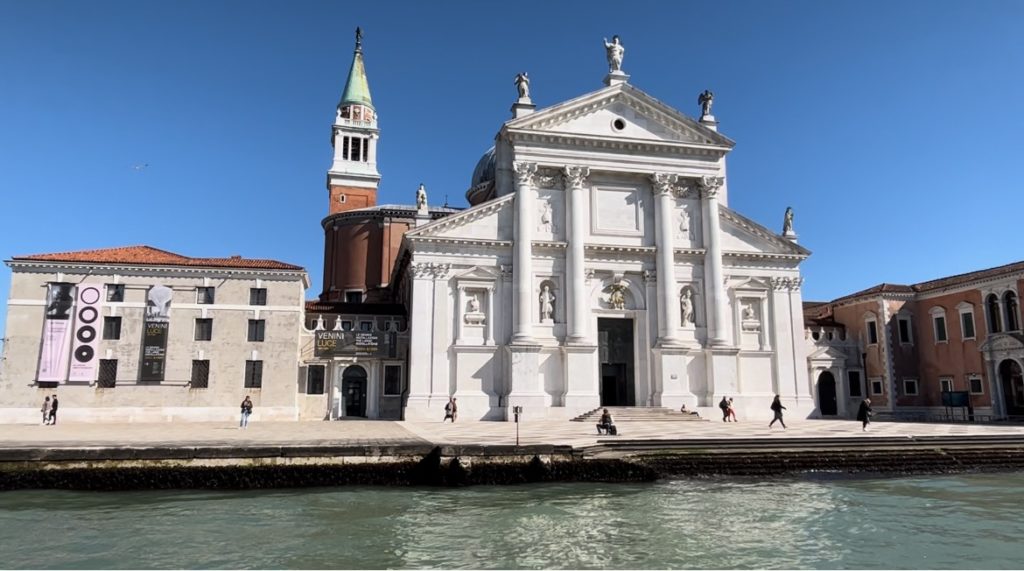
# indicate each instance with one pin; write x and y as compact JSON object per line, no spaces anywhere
{"x":906,"y":345}
{"x":600,"y":264}
{"x":141,"y":334}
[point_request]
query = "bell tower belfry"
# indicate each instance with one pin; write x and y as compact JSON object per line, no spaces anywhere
{"x":353,"y":178}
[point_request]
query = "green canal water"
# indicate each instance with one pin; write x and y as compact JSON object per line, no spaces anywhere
{"x":966,"y":521}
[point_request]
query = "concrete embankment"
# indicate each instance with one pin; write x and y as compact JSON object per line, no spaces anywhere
{"x":611,"y":460}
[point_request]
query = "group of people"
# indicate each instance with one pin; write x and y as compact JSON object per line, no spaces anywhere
{"x":49,"y":410}
{"x":728,"y":411}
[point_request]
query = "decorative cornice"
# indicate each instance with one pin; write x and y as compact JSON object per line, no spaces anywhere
{"x":615,"y":144}
{"x":461,"y":241}
{"x":428,"y":270}
{"x":460,"y":218}
{"x":790,"y":284}
{"x":129,"y":269}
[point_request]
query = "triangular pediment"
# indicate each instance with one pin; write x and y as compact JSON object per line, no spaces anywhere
{"x":478,"y":273}
{"x":488,"y":221}
{"x":622,"y":112}
{"x":741,"y":234}
{"x":1012,"y":342}
{"x":827,"y":354}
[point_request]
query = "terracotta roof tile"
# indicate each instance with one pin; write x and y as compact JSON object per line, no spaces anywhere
{"x":150,"y":256}
{"x":969,"y":277}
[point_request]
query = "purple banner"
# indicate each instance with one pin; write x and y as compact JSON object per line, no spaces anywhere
{"x":87,"y":333}
{"x":53,"y":356}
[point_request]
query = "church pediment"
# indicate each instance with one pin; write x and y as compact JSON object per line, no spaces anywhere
{"x":741,"y":234}
{"x":491,"y":220}
{"x":621,"y":111}
{"x":830,"y":354}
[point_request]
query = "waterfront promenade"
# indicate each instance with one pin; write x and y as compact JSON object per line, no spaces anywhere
{"x":376,"y":433}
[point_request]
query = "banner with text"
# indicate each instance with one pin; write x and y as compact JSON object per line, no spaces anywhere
{"x":350,"y":344}
{"x":53,"y":356}
{"x":154,"y":334}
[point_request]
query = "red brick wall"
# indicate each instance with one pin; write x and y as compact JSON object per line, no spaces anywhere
{"x":955,"y":358}
{"x":354,"y":198}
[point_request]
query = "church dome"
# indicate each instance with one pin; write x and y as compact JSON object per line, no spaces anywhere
{"x":484,"y":171}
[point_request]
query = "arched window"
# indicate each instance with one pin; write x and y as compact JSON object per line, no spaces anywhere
{"x":1010,"y":306}
{"x":992,"y":307}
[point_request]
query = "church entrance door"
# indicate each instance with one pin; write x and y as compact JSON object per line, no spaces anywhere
{"x":827,"y":403}
{"x":353,"y":390}
{"x":615,"y":344}
{"x":1013,"y":387}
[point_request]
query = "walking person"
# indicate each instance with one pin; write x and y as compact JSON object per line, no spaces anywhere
{"x":724,"y":405}
{"x":731,"y":411}
{"x":246,"y":411}
{"x":777,"y":408}
{"x":46,"y":410}
{"x":451,"y":410}
{"x":53,"y":410}
{"x":864,"y":414}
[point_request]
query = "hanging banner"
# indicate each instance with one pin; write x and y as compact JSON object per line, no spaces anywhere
{"x":154,"y":334}
{"x":56,"y":342}
{"x":350,"y":344}
{"x":87,"y":333}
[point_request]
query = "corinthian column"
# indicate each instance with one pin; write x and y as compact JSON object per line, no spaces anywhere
{"x":575,"y":180}
{"x":668,"y":304}
{"x":522,"y":261}
{"x":714,"y":276}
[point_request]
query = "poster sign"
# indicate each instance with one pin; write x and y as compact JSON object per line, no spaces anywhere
{"x":350,"y":344}
{"x":87,"y":332}
{"x":56,"y":342}
{"x":154,"y":334}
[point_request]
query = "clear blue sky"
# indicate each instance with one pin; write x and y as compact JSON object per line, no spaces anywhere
{"x":892,"y":128}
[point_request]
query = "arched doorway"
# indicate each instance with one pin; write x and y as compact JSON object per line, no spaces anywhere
{"x":353,"y":391}
{"x":1013,"y":387}
{"x":827,"y":403}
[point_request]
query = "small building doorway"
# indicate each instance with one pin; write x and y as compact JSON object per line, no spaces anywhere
{"x":615,"y":347}
{"x":1013,"y":387}
{"x":353,"y":391}
{"x":827,"y":403}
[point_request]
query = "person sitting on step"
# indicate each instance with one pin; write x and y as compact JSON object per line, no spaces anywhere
{"x":606,"y":424}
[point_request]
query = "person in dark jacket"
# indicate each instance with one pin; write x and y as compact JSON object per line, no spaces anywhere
{"x":607,"y":425}
{"x":53,"y":410}
{"x":777,"y":408}
{"x":724,"y":405}
{"x":246,"y":412}
{"x":864,"y":414}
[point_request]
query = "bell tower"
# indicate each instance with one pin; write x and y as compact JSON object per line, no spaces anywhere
{"x":353,"y":178}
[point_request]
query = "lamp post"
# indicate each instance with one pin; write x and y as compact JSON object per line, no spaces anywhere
{"x":517,"y":410}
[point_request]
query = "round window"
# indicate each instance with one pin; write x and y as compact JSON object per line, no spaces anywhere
{"x":618,"y":124}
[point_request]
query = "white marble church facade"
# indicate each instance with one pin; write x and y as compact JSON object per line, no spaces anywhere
{"x":600,"y":264}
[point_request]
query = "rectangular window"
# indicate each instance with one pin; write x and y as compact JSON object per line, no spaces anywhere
{"x":111,"y":328}
{"x":353,"y":297}
{"x":872,"y":333}
{"x":910,"y":387}
{"x":257,"y":329}
{"x":200,"y":374}
{"x":946,"y":384}
{"x":366,"y":150}
{"x":876,"y":386}
{"x":940,"y":329}
{"x":904,"y":325}
{"x":204,"y":329}
{"x":854,"y":381}
{"x":366,"y":326}
{"x":967,"y":322}
{"x":357,"y":149}
{"x":315,"y":379}
{"x":258,"y":296}
{"x":976,"y":387}
{"x":346,"y":326}
{"x":392,"y":380}
{"x":107,"y":378}
{"x":204,"y":295}
{"x":253,"y":374}
{"x":115,"y":292}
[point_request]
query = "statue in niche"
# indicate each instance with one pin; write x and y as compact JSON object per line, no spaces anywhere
{"x":473,"y":315}
{"x":685,"y":229}
{"x":421,"y":198}
{"x":748,"y":312}
{"x":787,"y":222}
{"x":547,"y":304}
{"x":523,"y":85}
{"x":705,"y":100}
{"x":474,"y":305}
{"x":617,"y":296}
{"x":614,"y":51}
{"x":546,"y":224}
{"x":686,"y":307}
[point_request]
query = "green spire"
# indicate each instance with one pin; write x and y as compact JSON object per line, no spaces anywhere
{"x":357,"y":89}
